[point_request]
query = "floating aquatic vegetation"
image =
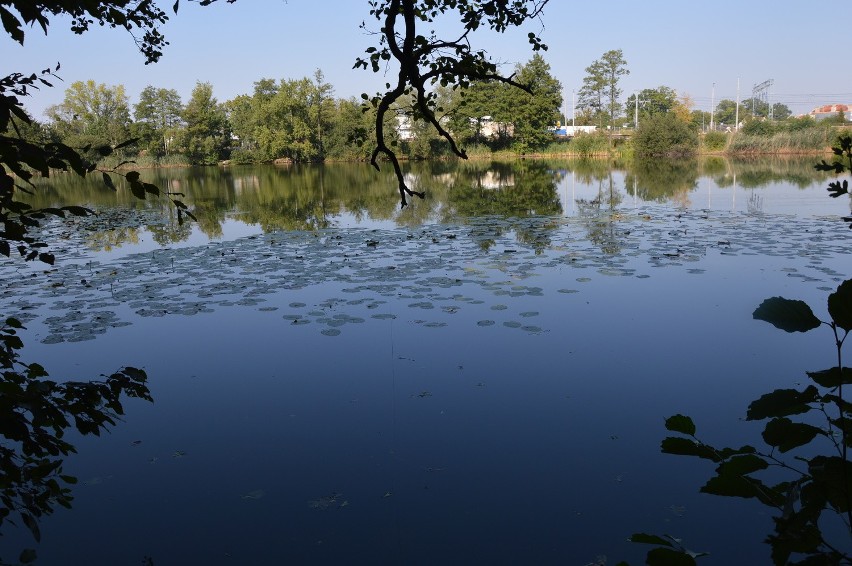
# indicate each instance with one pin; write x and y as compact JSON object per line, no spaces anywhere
{"x":79,"y":301}
{"x":384,"y":316}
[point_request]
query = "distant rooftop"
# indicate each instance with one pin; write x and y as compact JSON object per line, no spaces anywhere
{"x":828,"y":110}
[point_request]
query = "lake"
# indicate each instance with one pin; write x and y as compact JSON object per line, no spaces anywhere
{"x":482,"y":377}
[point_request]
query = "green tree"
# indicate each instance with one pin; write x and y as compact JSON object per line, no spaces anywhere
{"x":600,"y":90}
{"x":350,"y":134}
{"x":288,"y":119}
{"x":321,"y":109}
{"x":725,"y":113}
{"x":482,"y":113}
{"x":537,"y":109}
{"x":760,"y":109}
{"x":665,"y":135}
{"x":781,"y":111}
{"x":159,"y":109}
{"x":91,"y":114}
{"x":652,"y":101}
{"x":206,"y":136}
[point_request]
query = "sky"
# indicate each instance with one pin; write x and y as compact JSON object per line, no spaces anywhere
{"x":701,"y":50}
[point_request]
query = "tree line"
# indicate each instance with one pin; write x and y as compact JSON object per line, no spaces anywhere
{"x":298,"y":120}
{"x":301,"y":120}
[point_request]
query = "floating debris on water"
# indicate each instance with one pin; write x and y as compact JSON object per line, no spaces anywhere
{"x":256,"y":494}
{"x":333,"y":501}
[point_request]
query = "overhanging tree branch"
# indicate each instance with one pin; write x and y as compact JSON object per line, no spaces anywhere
{"x":424,"y":62}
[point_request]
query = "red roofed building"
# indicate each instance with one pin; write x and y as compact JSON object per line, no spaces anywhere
{"x":831,"y":110}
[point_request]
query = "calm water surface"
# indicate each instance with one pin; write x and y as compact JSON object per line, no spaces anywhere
{"x":480,"y":378}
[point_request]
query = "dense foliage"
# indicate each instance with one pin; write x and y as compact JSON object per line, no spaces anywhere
{"x":665,"y":135}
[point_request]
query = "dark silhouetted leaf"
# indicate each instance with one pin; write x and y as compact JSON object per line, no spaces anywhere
{"x":832,"y":377}
{"x":787,"y":314}
{"x":786,"y":435}
{"x":32,"y":525}
{"x":835,"y":189}
{"x":668,"y":557}
{"x":742,"y":465}
{"x":126,"y":143}
{"x":834,"y":476}
{"x":649,"y":539}
{"x":12,"y":25}
{"x":108,"y":181}
{"x":781,"y":403}
{"x":132,"y":176}
{"x":686,"y":447}
{"x":680,"y":423}
{"x":840,"y":305}
{"x":743,"y":486}
{"x":47,"y":258}
{"x":78,"y":210}
{"x":28,"y":556}
{"x":138,"y":190}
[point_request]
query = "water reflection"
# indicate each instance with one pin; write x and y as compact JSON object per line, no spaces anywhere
{"x":313,"y":197}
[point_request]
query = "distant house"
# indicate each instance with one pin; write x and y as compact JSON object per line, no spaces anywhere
{"x":404,"y":127}
{"x":490,"y":129}
{"x":830,"y":111}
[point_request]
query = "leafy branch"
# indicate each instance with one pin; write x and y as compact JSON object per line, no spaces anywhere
{"x":426,"y":60}
{"x":21,"y":160}
{"x":842,"y":163}
{"x":821,"y":485}
{"x":35,"y":413}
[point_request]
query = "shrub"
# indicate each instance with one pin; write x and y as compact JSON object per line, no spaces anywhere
{"x":665,"y":135}
{"x":759,"y":128}
{"x":588,"y":144}
{"x":805,"y":140}
{"x":715,"y":141}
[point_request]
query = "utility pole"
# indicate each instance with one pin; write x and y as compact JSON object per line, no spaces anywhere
{"x":573,"y":112}
{"x":712,"y":105}
{"x":737,"y":113}
{"x":636,"y":115}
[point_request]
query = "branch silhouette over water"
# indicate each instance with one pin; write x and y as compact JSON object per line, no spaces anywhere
{"x":35,"y":414}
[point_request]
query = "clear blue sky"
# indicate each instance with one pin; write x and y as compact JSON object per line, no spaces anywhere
{"x":684,"y":45}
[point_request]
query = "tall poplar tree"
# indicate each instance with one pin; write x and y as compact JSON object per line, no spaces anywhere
{"x":600,"y":90}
